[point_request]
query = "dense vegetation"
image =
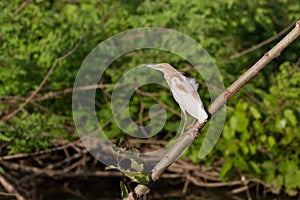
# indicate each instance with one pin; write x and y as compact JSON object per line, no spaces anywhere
{"x":261,"y":134}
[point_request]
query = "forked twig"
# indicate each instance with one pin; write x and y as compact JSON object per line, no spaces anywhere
{"x":191,"y":133}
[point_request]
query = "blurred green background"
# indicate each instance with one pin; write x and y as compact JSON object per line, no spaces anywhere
{"x":261,"y":134}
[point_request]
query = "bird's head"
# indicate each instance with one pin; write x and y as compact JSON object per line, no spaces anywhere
{"x":163,"y":67}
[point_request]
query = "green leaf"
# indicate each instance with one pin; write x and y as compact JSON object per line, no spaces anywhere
{"x":292,"y":181}
{"x":255,"y":167}
{"x":269,"y":170}
{"x":276,"y":189}
{"x":256,"y":114}
{"x":241,"y":162}
{"x":5,"y":138}
{"x":228,"y":132}
{"x":287,"y":138}
{"x":241,"y":106}
{"x":289,"y":114}
{"x":243,"y":122}
{"x":136,"y":165}
{"x":225,"y":168}
{"x":263,"y":138}
{"x":271,"y":141}
{"x":244,"y":148}
{"x":233,"y":121}
{"x":252,"y":148}
{"x":139,"y":177}
{"x":258,"y":126}
{"x":124,"y":190}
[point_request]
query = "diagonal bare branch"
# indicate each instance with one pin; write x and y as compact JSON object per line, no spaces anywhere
{"x":191,"y":133}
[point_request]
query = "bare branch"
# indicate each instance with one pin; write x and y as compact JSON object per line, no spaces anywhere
{"x":263,"y":43}
{"x":191,"y":133}
{"x":25,"y":155}
{"x":22,"y":6}
{"x":10,"y":188}
{"x":254,"y":70}
{"x":53,"y":173}
{"x":56,"y":94}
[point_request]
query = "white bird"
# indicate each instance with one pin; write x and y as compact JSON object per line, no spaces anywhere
{"x":184,"y":91}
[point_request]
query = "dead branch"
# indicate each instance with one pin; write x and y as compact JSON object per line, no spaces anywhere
{"x":22,"y":6}
{"x":51,"y":164}
{"x":263,"y":43}
{"x":57,"y":94}
{"x":240,"y":189}
{"x":24,"y":155}
{"x":10,"y":188}
{"x":192,"y":132}
{"x":55,"y":173}
{"x":201,"y":183}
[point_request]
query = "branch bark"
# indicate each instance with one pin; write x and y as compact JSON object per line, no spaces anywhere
{"x":10,"y":188}
{"x":38,"y":172}
{"x":191,"y":133}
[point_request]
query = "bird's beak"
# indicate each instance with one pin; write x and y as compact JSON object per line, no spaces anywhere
{"x":149,"y":65}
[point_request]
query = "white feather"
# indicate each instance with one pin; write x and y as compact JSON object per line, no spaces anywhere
{"x":188,"y":98}
{"x":193,"y":83}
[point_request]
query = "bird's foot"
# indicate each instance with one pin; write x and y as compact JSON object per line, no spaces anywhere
{"x":195,"y":133}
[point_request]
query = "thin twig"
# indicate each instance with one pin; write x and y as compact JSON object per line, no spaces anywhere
{"x":81,"y":162}
{"x":263,"y":43}
{"x":191,"y":133}
{"x":200,"y":183}
{"x":66,"y":160}
{"x":6,"y":194}
{"x":10,"y":115}
{"x":10,"y":188}
{"x":22,"y":6}
{"x":55,"y":94}
{"x":186,"y":184}
{"x":24,"y":155}
{"x":55,"y":173}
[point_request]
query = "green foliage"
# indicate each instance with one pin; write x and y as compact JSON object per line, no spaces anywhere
{"x":133,"y":168}
{"x":261,"y":135}
{"x":31,"y":132}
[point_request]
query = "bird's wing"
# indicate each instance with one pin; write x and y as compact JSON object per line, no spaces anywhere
{"x":187,"y":97}
{"x":193,"y":82}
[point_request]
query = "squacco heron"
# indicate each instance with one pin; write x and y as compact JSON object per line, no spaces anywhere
{"x":184,"y":91}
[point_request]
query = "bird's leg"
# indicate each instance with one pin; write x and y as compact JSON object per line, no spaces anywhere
{"x":184,"y":124}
